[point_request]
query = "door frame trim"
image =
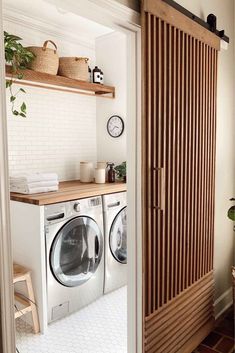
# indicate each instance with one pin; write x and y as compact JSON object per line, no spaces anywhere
{"x":7,"y":320}
{"x":119,"y":17}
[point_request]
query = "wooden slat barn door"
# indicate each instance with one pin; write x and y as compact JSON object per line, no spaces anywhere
{"x":179,"y":117}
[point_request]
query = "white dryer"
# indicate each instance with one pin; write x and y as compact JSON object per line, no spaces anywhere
{"x":115,"y":234}
{"x":74,"y":250}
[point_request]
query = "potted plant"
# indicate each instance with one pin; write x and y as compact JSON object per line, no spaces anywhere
{"x":121,"y":171}
{"x":18,"y":57}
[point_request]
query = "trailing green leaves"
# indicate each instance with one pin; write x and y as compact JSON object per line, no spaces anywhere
{"x":18,"y":57}
{"x":121,"y":171}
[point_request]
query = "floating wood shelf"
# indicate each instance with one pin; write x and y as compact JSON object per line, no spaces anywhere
{"x":60,"y":83}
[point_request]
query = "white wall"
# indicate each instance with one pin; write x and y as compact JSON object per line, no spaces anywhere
{"x":60,"y":128}
{"x":111,"y":56}
{"x":225,"y":171}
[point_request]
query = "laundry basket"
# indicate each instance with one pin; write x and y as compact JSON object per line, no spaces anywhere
{"x":74,"y":67}
{"x":46,"y":59}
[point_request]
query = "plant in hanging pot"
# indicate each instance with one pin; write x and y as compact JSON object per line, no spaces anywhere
{"x":121,"y":171}
{"x":18,"y":57}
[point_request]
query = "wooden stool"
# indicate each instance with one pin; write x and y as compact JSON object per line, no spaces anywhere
{"x":21,"y":274}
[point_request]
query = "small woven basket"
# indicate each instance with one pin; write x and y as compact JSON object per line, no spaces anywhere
{"x":73,"y":67}
{"x":46,"y":59}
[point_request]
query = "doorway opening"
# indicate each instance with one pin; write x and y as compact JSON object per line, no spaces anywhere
{"x":102,"y":320}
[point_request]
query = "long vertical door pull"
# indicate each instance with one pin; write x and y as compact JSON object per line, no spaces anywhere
{"x":159,"y":184}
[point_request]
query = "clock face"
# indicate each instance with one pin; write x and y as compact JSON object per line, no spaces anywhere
{"x":115,"y":126}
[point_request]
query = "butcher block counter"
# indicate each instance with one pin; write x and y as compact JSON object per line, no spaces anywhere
{"x":70,"y":190}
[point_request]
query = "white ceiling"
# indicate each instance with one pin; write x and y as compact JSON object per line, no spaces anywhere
{"x":52,"y":14}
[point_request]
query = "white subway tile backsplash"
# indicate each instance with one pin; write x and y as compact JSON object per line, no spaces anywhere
{"x":59,"y":132}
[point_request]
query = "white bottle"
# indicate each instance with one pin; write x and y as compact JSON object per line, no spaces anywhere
{"x":99,"y":175}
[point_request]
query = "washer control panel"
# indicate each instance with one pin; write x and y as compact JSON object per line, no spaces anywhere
{"x":96,"y":201}
{"x":60,"y":212}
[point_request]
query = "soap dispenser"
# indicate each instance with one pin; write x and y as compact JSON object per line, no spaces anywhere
{"x":111,"y":173}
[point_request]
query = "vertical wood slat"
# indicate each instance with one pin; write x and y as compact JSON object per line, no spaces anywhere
{"x":149,"y":131}
{"x":208,"y":156}
{"x":174,"y":166}
{"x":180,"y":96}
{"x":192,"y":153}
{"x":177,"y":190}
{"x":211,"y":118}
{"x":204,"y":96}
{"x":194,"y":134}
{"x":189,"y":161}
{"x":159,"y":156}
{"x":164,"y":85}
{"x":206,"y":230}
{"x":199,"y":164}
{"x":167,"y":166}
{"x":181,"y":231}
{"x":155,"y":161}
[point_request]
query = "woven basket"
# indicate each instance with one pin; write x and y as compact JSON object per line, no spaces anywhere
{"x":74,"y":67}
{"x":46,"y":59}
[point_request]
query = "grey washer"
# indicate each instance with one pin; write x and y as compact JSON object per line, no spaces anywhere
{"x":115,"y":231}
{"x":74,"y":255}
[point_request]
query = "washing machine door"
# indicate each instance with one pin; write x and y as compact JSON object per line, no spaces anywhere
{"x":76,"y":251}
{"x":118,"y":237}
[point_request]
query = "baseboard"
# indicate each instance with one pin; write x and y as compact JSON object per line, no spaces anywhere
{"x":223,"y":303}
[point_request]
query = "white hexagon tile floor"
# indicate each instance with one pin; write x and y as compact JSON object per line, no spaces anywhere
{"x":101,"y":327}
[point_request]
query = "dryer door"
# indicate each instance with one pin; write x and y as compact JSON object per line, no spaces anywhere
{"x":118,"y":237}
{"x":76,"y":251}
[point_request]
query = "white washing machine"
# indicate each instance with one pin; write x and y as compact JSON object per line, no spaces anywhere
{"x":75,"y":260}
{"x":115,"y":233}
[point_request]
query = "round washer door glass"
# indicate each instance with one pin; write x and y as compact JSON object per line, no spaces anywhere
{"x":76,"y":251}
{"x":118,"y":237}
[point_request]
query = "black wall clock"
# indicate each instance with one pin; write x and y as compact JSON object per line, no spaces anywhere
{"x":115,"y":126}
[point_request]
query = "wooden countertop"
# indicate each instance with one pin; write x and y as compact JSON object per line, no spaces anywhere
{"x":70,"y":190}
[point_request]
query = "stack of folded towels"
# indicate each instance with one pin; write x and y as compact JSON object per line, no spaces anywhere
{"x":33,"y":183}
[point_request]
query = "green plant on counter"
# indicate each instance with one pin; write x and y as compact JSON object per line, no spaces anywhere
{"x":121,"y":171}
{"x":18,"y":57}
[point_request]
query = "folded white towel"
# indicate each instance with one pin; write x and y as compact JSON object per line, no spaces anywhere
{"x":37,"y":184}
{"x":33,"y":177}
{"x":29,"y":190}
